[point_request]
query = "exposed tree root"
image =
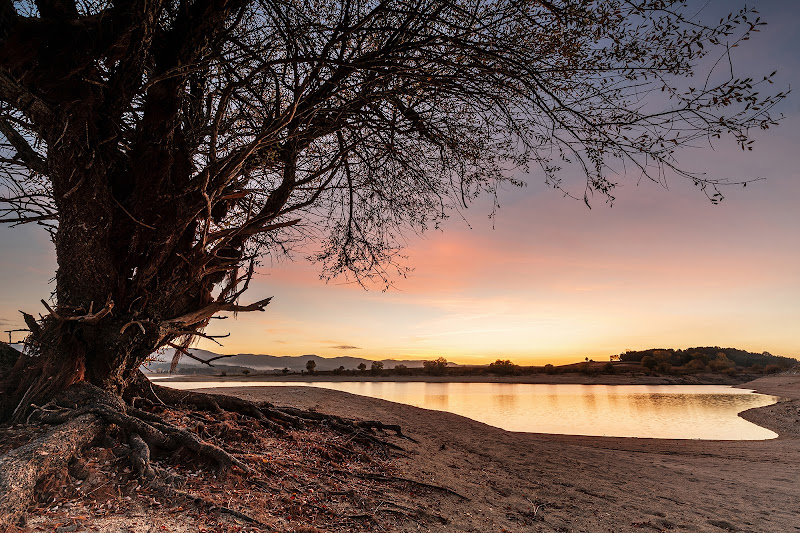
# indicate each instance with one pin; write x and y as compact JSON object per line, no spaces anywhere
{"x":269,"y":415}
{"x":397,"y":479}
{"x":370,"y":424}
{"x":84,"y":398}
{"x":140,"y":457}
{"x":166,"y":437}
{"x":81,"y":414}
{"x":22,"y":468}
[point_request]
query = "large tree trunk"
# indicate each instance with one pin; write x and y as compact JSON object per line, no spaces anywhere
{"x":63,"y":352}
{"x":120,"y":283}
{"x":84,"y":336}
{"x":132,"y":276}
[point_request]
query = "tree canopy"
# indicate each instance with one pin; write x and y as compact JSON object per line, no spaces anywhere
{"x":168,"y":145}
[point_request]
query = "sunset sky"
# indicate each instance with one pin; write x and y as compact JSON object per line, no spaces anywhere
{"x":550,"y":280}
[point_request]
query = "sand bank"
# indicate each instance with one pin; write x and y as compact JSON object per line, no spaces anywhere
{"x":524,"y":482}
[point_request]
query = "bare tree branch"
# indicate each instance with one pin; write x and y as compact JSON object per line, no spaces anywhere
{"x":173,"y":144}
{"x":25,"y":153}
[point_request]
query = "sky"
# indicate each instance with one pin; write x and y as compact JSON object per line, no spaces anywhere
{"x":549,"y":280}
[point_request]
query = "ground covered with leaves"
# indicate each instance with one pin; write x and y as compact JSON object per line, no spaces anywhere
{"x":310,"y":478}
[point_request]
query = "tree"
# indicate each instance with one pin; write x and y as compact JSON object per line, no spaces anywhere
{"x":168,"y":145}
{"x":721,"y":363}
{"x":649,"y":362}
{"x":362,"y":367}
{"x":311,"y":365}
{"x":376,"y":367}
{"x":436,"y":367}
{"x":502,"y":366}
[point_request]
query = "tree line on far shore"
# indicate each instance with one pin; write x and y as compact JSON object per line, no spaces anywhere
{"x":707,"y":359}
{"x":699,"y":360}
{"x":436,"y":367}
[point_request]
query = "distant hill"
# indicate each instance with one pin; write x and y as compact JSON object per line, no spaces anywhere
{"x":264,"y":362}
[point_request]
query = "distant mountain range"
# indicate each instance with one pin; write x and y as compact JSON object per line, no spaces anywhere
{"x":263,"y":362}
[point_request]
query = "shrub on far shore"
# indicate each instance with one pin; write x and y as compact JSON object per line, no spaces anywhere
{"x":503,"y":367}
{"x":649,"y":362}
{"x":401,"y":369}
{"x":436,"y":367}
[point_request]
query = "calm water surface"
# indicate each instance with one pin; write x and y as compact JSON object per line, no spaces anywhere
{"x":654,"y":411}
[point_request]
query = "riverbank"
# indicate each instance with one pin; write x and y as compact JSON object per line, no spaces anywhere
{"x":571,"y":378}
{"x":523,"y":482}
{"x":535,"y":482}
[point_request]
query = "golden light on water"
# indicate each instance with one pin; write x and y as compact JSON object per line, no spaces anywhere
{"x":646,"y":411}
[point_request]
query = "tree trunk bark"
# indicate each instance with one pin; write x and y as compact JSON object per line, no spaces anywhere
{"x":64,"y":352}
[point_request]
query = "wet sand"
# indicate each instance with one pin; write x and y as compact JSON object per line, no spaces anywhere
{"x":523,"y":482}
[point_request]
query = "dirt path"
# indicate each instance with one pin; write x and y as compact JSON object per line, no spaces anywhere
{"x":533,"y":482}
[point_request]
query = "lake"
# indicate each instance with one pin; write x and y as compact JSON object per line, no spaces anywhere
{"x":649,"y":411}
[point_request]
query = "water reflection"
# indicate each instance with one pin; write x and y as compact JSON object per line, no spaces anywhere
{"x":551,"y":393}
{"x":656,"y":411}
{"x":589,"y":400}
{"x":436,"y":396}
{"x":504,"y":402}
{"x":435,"y":401}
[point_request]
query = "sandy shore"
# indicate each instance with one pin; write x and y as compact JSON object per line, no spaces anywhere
{"x":521,"y":482}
